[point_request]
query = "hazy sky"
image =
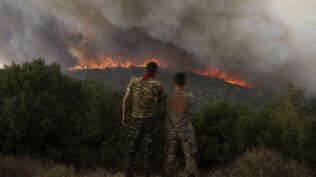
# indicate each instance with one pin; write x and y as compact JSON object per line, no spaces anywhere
{"x":266,"y":42}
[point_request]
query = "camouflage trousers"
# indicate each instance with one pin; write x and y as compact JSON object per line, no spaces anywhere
{"x":188,"y":144}
{"x":141,"y":132}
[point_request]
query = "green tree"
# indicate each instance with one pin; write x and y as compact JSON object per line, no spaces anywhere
{"x":289,"y":128}
{"x":218,"y":137}
{"x":38,"y":105}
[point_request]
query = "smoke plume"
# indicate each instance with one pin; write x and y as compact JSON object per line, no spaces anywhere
{"x":263,"y":42}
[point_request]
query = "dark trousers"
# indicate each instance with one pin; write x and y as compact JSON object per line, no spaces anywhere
{"x":142,"y":130}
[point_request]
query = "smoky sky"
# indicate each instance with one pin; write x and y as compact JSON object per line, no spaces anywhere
{"x":265,"y":42}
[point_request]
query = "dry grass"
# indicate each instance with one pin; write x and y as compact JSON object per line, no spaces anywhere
{"x":27,"y":167}
{"x":255,"y":163}
{"x":264,"y":163}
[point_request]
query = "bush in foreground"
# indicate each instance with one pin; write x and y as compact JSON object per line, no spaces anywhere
{"x":264,"y":163}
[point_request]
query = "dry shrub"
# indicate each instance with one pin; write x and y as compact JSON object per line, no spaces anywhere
{"x":17,"y":167}
{"x":27,"y":167}
{"x":254,"y":163}
{"x":264,"y":163}
{"x":55,"y":171}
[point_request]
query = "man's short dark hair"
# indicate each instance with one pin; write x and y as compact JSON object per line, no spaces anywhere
{"x":180,"y":79}
{"x":152,"y":67}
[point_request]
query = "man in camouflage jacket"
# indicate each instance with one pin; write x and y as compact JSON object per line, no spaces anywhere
{"x":146,"y":92}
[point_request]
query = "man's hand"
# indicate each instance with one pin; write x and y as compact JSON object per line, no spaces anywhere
{"x":125,"y":121}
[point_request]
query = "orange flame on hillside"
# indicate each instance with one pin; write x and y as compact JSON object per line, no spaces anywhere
{"x":105,"y":62}
{"x":109,"y":62}
{"x":225,"y":76}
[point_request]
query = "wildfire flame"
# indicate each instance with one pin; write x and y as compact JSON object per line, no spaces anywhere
{"x":108,"y":62}
{"x":225,"y":76}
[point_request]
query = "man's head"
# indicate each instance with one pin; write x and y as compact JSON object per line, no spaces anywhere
{"x":152,"y":67}
{"x":180,"y":79}
{"x":151,"y":71}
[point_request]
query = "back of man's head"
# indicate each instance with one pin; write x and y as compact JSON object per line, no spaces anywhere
{"x":180,"y":79}
{"x":152,"y":67}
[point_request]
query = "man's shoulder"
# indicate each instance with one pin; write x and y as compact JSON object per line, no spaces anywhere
{"x":188,"y":94}
{"x":175,"y":95}
{"x":135,"y":79}
{"x":156,"y":82}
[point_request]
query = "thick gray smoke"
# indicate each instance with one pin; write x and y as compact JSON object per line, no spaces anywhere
{"x":265,"y":42}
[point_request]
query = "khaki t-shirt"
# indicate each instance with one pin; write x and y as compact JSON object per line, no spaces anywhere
{"x":179,"y":105}
{"x":145,"y":94}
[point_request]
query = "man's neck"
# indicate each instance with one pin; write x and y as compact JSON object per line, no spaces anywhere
{"x":179,"y":88}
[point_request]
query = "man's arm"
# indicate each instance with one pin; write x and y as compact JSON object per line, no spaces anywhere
{"x":125,"y":108}
{"x":161,"y":95}
{"x":192,"y":102}
{"x":128,"y":93}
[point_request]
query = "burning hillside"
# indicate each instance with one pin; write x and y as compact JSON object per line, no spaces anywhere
{"x":226,"y":77}
{"x":109,"y":62}
{"x":265,"y":43}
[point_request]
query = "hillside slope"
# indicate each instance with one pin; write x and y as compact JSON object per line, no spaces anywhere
{"x":204,"y":88}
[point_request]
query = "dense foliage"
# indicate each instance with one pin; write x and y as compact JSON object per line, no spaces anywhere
{"x":225,"y":131}
{"x":45,"y":114}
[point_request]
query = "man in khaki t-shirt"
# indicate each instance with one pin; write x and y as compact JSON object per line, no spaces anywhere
{"x":178,"y":124}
